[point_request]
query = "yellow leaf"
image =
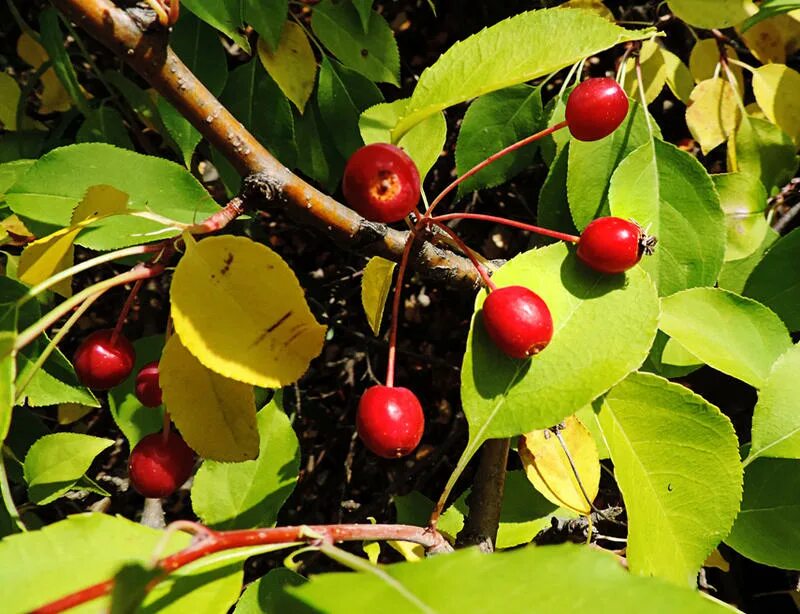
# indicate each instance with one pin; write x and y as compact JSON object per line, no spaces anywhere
{"x":595,"y":6}
{"x":375,"y":285}
{"x":712,"y":13}
{"x":713,"y":113}
{"x":654,"y":72}
{"x":292,"y":64}
{"x":54,"y":96}
{"x":548,"y":468}
{"x":240,"y":310}
{"x":410,"y":551}
{"x":9,"y":100}
{"x":777,"y":91}
{"x":72,"y":412}
{"x":704,"y":60}
{"x":215,"y":415}
{"x":679,"y":79}
{"x":13,"y":225}
{"x":54,"y":253}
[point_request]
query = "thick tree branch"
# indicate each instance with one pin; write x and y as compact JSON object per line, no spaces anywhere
{"x":148,"y":53}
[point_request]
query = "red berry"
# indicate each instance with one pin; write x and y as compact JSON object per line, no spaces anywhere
{"x":381,"y":183}
{"x":157,"y":468}
{"x":148,"y":390}
{"x":613,"y":245}
{"x":518,"y":321}
{"x":390,"y":421}
{"x":595,"y":108}
{"x":101,"y":364}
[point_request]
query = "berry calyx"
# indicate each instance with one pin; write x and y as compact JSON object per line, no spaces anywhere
{"x":518,"y":321}
{"x":147,"y":388}
{"x":390,"y":421}
{"x":595,"y":108}
{"x":104,"y":360}
{"x":158,"y":466}
{"x":381,"y":182}
{"x":613,"y":245}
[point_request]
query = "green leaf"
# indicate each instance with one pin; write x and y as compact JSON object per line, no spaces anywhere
{"x":130,"y":587}
{"x":9,"y":100}
{"x":777,"y":285}
{"x":223,"y":15}
{"x":10,"y":173}
{"x":52,"y":40}
{"x":734,"y":273}
{"x":47,"y":194}
{"x":370,"y":51}
{"x":676,"y":460}
{"x":766,"y":527}
{"x":317,"y":154}
{"x":91,"y":546}
{"x":364,"y":8}
{"x":767,"y":9}
{"x":731,"y":333}
{"x":553,"y":211}
{"x":762,"y":149}
{"x":260,"y":597}
{"x":140,"y":101}
{"x":249,"y":494}
{"x":8,"y":366}
{"x":592,"y":163}
{"x":744,"y":201}
{"x":493,"y":122}
{"x":532,"y":579}
{"x":56,"y":462}
{"x":513,"y":51}
{"x":415,"y":509}
{"x":134,"y":419}
{"x":104,"y":125}
{"x":198,"y":46}
{"x":670,"y":359}
{"x":668,"y":191}
{"x":342,"y":95}
{"x":524,"y":512}
{"x":267,"y":18}
{"x":776,"y":419}
{"x":248,"y":91}
{"x":611,"y":319}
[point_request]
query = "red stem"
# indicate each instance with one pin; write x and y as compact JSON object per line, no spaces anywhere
{"x":221,"y":218}
{"x":208,"y":542}
{"x":468,"y":252}
{"x":126,"y":308}
{"x":166,"y":428}
{"x":398,"y":288}
{"x":481,"y":165}
{"x":561,"y":236}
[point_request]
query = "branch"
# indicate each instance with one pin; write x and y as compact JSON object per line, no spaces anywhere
{"x":207,"y":541}
{"x":149,"y":55}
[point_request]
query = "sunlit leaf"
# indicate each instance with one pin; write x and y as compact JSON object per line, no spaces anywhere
{"x":654,"y":72}
{"x":744,"y":201}
{"x":777,"y":91}
{"x":713,"y":113}
{"x":292,"y":64}
{"x":375,"y":285}
{"x":711,"y":13}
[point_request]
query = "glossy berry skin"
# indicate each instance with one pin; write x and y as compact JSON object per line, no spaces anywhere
{"x":611,"y":245}
{"x":147,"y":388}
{"x":381,"y":182}
{"x":157,"y":468}
{"x":101,"y":364}
{"x":596,"y":108}
{"x":518,"y":321}
{"x":390,"y":421}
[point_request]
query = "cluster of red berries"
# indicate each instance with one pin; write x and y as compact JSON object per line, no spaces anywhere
{"x":382,"y":183}
{"x":160,"y":462}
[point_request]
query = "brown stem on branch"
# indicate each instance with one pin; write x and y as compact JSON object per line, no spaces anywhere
{"x":486,"y":499}
{"x":208,"y":542}
{"x":148,"y":54}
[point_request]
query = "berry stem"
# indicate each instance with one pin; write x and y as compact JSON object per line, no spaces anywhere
{"x":167,"y":421}
{"x":209,"y":542}
{"x":561,"y":236}
{"x":126,"y":308}
{"x":495,"y":156}
{"x":468,"y":252}
{"x":398,"y":287}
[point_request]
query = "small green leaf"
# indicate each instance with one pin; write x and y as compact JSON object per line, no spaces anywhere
{"x":513,"y":51}
{"x":104,"y":125}
{"x":777,"y":285}
{"x":260,"y":597}
{"x":553,"y":211}
{"x":56,"y":462}
{"x":52,"y":40}
{"x":776,"y":419}
{"x":769,"y":8}
{"x":731,"y":333}
{"x":766,"y":527}
{"x":415,"y":509}
{"x":364,"y":8}
{"x":672,"y":452}
{"x":493,"y":122}
{"x":370,"y":51}
{"x":55,"y":382}
{"x":140,"y":101}
{"x":762,"y":149}
{"x":668,"y":191}
{"x":223,"y":15}
{"x":317,"y":154}
{"x":734,"y":273}
{"x":9,"y":100}
{"x":524,"y":512}
{"x":744,"y":201}
{"x":249,"y":494}
{"x":267,"y":18}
